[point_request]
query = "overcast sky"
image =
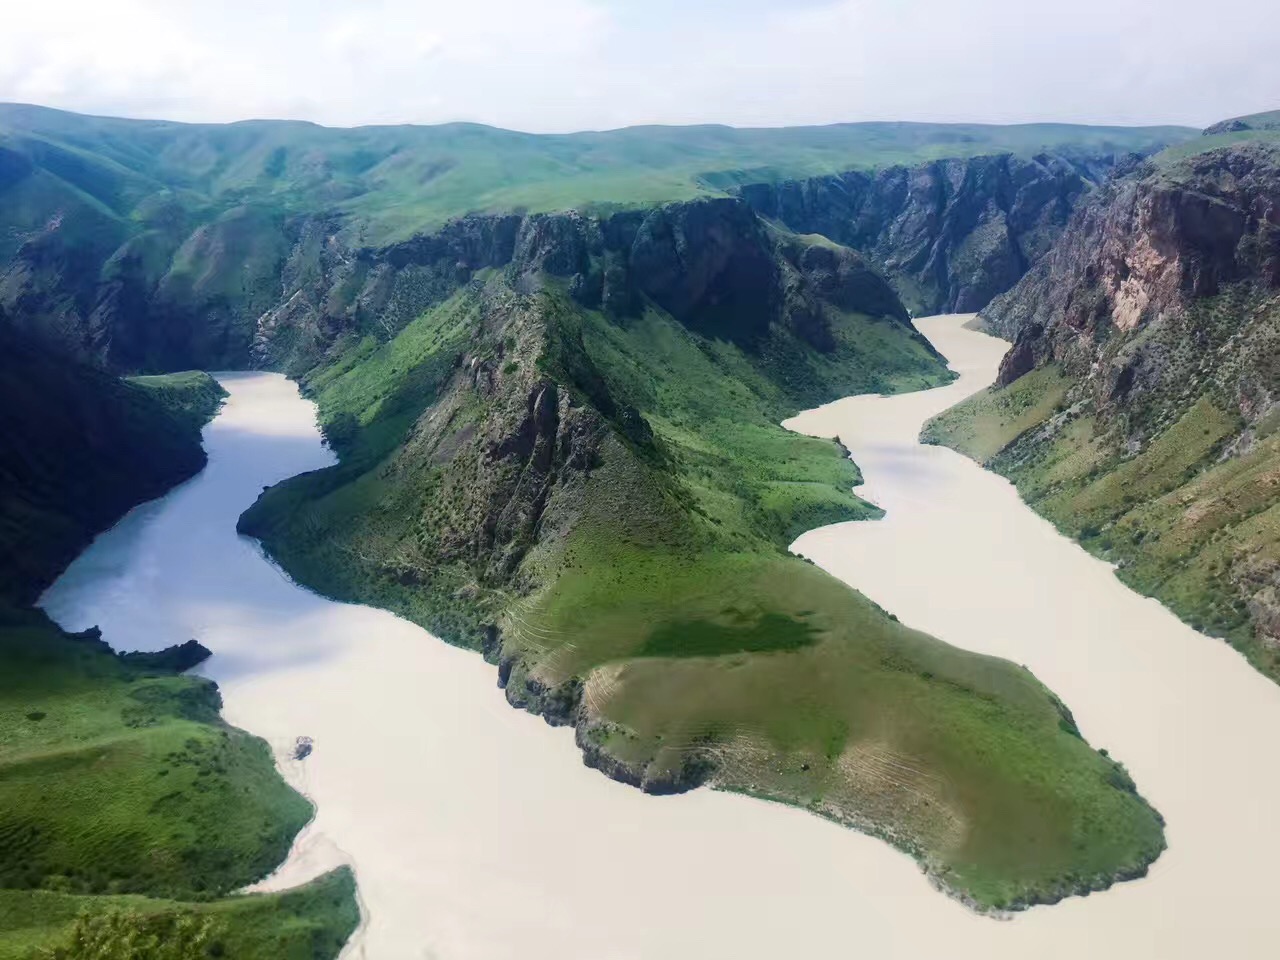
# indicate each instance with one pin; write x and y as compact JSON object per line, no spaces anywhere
{"x":558,"y":65}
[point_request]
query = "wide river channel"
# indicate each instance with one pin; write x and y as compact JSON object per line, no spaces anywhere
{"x":476,"y":832}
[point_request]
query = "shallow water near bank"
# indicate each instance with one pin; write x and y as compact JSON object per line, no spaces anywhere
{"x":476,"y":832}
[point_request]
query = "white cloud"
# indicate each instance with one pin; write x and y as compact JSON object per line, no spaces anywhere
{"x":572,"y":64}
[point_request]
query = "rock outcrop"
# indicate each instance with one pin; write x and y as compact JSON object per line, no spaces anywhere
{"x":1158,"y":312}
{"x":950,"y":234}
{"x":1142,"y":248}
{"x":712,"y":264}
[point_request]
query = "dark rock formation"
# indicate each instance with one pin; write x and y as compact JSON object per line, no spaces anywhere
{"x":181,"y":296}
{"x":78,"y":449}
{"x":713,"y":264}
{"x":1160,"y":305}
{"x":950,"y":234}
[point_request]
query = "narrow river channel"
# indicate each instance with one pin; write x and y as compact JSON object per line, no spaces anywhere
{"x":476,"y":832}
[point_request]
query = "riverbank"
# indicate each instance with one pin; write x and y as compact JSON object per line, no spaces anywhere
{"x":128,"y":808}
{"x":475,"y":830}
{"x":1185,"y":715}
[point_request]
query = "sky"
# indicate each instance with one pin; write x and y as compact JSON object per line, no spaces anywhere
{"x":561,"y":65}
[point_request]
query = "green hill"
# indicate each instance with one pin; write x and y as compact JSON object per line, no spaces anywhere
{"x":394,"y":181}
{"x":1137,"y":409}
{"x":572,"y":462}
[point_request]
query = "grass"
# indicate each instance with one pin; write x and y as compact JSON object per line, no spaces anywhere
{"x":395,"y":181}
{"x":115,"y":781}
{"x":988,"y":422}
{"x":191,"y":397}
{"x":177,"y":236}
{"x":311,"y":922}
{"x":658,"y":585}
{"x":120,"y":787}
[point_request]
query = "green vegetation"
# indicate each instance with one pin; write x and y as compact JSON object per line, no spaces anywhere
{"x":988,"y":422}
{"x":1170,"y":484}
{"x":175,"y":238}
{"x":311,"y":922}
{"x":121,"y":789}
{"x":126,"y":782}
{"x":1255,"y":128}
{"x":646,"y":593}
{"x":395,"y":181}
{"x":191,"y":398}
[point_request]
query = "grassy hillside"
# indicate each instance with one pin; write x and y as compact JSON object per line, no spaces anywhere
{"x":398,"y":180}
{"x":120,"y":779}
{"x":645,"y":593}
{"x":311,"y":922}
{"x":147,"y":246}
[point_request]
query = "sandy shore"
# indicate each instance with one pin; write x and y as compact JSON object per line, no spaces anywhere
{"x":476,"y":832}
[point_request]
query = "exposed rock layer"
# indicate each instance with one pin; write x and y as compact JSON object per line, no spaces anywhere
{"x":1161,"y":305}
{"x":950,"y":234}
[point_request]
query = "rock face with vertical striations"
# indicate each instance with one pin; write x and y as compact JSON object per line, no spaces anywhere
{"x":950,"y":234}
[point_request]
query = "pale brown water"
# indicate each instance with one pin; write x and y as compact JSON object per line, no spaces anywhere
{"x":477,"y":833}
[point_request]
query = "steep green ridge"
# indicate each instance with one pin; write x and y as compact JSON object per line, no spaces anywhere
{"x":593,"y":490}
{"x":310,"y":922}
{"x":116,"y":774}
{"x":1138,"y":407}
{"x":147,"y":246}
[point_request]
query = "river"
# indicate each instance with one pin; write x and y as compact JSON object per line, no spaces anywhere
{"x":476,"y":832}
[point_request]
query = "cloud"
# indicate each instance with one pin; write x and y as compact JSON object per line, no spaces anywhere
{"x":574,"y":64}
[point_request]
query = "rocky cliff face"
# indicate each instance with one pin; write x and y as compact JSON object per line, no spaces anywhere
{"x":712,"y":264}
{"x":1140,"y":250}
{"x":115,"y":268}
{"x":1153,"y":331}
{"x":163,"y":292}
{"x":950,"y":234}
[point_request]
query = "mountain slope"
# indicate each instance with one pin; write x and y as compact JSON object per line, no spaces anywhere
{"x":569,"y":457}
{"x":78,"y":448}
{"x":950,"y":234}
{"x":399,"y":180}
{"x":1137,"y":408}
{"x":147,"y":246}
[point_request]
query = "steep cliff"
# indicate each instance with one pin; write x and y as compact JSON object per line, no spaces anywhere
{"x":711,"y":264}
{"x":950,"y":234}
{"x":78,"y":448}
{"x":559,"y":444}
{"x":1138,"y":405}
